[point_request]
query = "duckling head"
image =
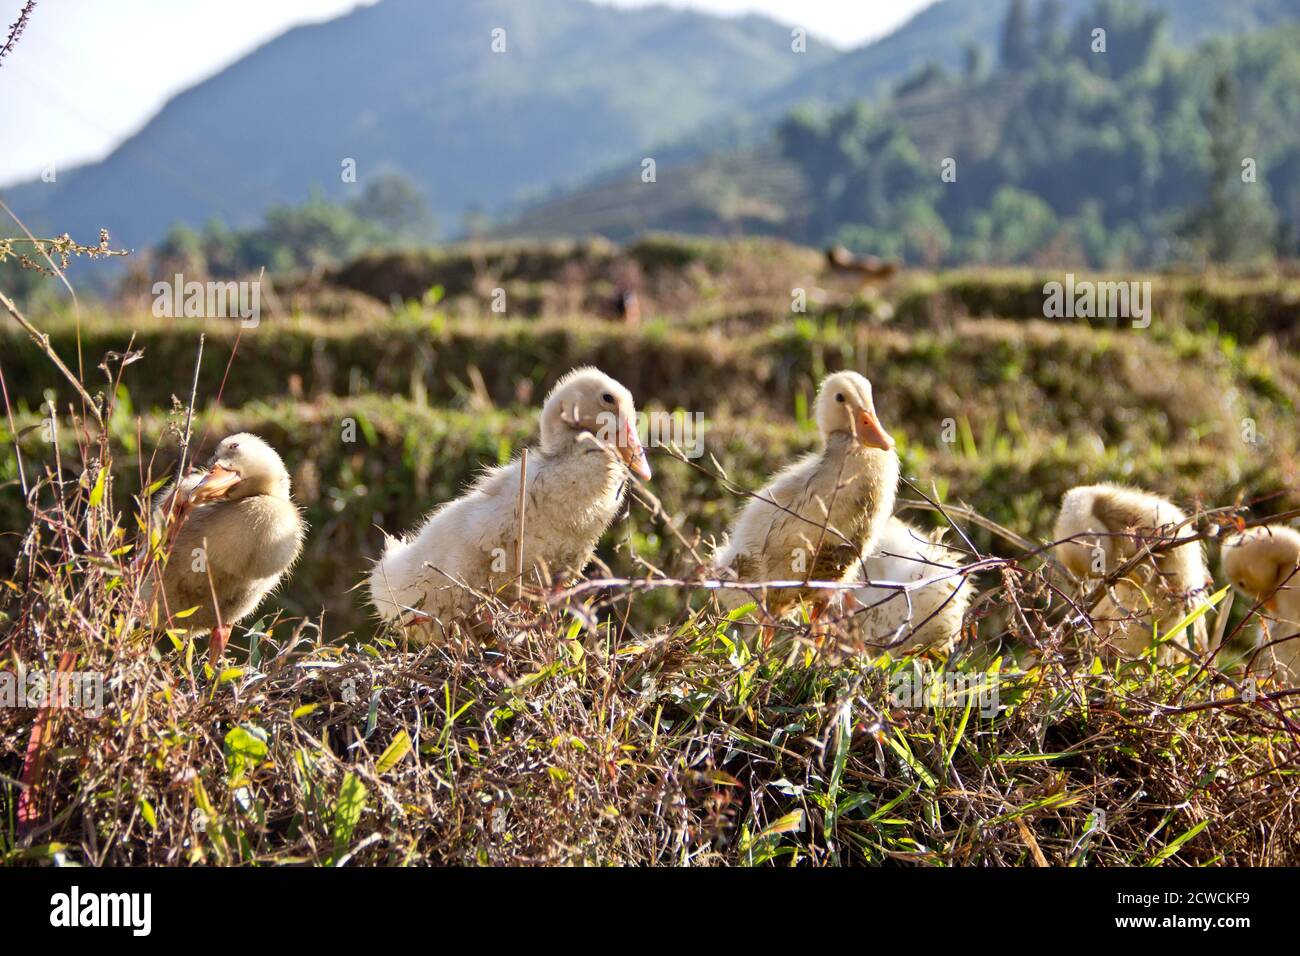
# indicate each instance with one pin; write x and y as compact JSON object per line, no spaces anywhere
{"x":1259,"y":562}
{"x":845,"y":405}
{"x":588,"y":401}
{"x":242,"y":466}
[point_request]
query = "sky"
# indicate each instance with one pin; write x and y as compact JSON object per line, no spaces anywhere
{"x":89,"y":73}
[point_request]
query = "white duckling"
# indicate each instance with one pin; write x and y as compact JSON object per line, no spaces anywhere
{"x":1264,"y":564}
{"x":466,"y":550}
{"x":234,"y":533}
{"x":820,"y":515}
{"x":1101,"y":527}
{"x":930,"y":616}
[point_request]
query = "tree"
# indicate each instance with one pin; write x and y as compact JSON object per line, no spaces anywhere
{"x":930,"y":75}
{"x":182,"y":250}
{"x":1237,"y":222}
{"x":1051,"y":30}
{"x":1134,"y":34}
{"x":1014,"y":226}
{"x":1016,"y":52}
{"x":392,"y":202}
{"x":314,"y":234}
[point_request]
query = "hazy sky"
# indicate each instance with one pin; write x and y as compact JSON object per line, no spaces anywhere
{"x":88,"y":73}
{"x":844,"y":23}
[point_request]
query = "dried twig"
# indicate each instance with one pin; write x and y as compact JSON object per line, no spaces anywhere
{"x":519,"y":542}
{"x":16,"y":29}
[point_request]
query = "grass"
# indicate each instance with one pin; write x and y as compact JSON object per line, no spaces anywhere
{"x":637,"y":723}
{"x":1047,"y":375}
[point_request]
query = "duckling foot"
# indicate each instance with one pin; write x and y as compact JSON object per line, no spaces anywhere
{"x":819,"y":622}
{"x":849,"y":603}
{"x":217,"y":644}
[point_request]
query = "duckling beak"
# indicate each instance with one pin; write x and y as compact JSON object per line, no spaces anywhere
{"x":869,"y":431}
{"x":632,"y":453}
{"x":216,"y":485}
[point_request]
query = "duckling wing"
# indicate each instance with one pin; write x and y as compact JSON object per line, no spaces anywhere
{"x":929,"y":616}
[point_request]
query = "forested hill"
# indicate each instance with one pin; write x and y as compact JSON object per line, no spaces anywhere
{"x":1039,"y":149}
{"x":947,"y":31}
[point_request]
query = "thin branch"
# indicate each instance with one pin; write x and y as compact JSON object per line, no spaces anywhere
{"x":519,"y":543}
{"x":16,"y":29}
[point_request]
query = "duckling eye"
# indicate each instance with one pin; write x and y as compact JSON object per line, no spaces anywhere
{"x":607,"y":398}
{"x":839,"y":396}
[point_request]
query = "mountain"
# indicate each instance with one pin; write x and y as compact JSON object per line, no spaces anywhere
{"x":414,"y":86}
{"x":1017,"y":128}
{"x":940,"y":34}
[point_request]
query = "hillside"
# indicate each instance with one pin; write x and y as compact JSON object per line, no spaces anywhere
{"x":940,"y":35}
{"x":941,"y":32}
{"x":413,"y":86}
{"x":1136,"y":157}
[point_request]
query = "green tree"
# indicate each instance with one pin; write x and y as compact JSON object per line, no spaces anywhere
{"x":314,"y":234}
{"x":1014,"y":226}
{"x":1016,"y":51}
{"x":1237,"y":222}
{"x":1050,"y":30}
{"x":929,"y":76}
{"x":1134,"y":35}
{"x":394,"y":203}
{"x":182,"y":249}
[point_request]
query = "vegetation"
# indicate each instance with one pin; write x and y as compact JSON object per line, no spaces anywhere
{"x":1101,"y":136}
{"x":391,"y":210}
{"x":633,"y":723}
{"x":1092,"y":145}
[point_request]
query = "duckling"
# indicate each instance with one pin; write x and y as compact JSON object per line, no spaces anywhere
{"x":818,"y":517}
{"x":435,"y":578}
{"x":933,"y":618}
{"x":234,"y":533}
{"x":1101,"y":527}
{"x":1262,"y":564}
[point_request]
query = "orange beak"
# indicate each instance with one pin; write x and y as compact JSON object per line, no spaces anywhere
{"x":869,"y":431}
{"x":632,"y":453}
{"x":218,"y":482}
